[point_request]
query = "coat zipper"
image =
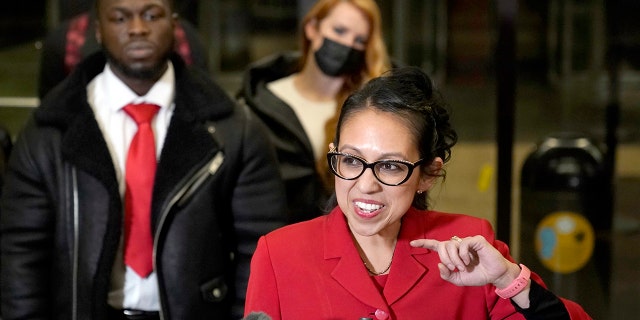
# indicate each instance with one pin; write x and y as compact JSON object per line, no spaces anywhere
{"x":76,"y":239}
{"x":181,"y":196}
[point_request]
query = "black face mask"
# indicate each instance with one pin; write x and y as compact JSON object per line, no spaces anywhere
{"x":335,"y":59}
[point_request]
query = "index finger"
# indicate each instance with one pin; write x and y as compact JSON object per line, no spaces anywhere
{"x":425,"y":243}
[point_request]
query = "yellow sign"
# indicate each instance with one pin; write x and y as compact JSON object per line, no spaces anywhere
{"x":564,"y":241}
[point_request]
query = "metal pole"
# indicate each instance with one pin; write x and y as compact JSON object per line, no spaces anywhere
{"x":506,"y":91}
{"x":399,"y":30}
{"x":553,"y":71}
{"x":53,"y":14}
{"x":567,"y":41}
{"x":612,"y":113}
{"x":209,"y":21}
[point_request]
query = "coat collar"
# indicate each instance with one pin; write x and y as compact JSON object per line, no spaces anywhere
{"x":195,"y":93}
{"x":407,"y":268}
{"x":199,"y":104}
{"x":255,"y":93}
{"x":269,"y":69}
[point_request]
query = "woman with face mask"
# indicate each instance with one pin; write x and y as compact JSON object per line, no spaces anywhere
{"x":297,"y":94}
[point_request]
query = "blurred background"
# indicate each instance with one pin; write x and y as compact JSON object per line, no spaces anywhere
{"x":545,"y":96}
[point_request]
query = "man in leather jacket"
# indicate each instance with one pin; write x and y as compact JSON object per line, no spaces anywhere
{"x":216,"y":188}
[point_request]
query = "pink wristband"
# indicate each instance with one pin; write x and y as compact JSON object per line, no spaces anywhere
{"x":517,"y":285}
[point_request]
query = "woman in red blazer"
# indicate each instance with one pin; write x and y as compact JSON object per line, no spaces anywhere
{"x":380,"y":254}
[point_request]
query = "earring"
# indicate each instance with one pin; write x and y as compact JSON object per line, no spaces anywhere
{"x":420,"y":191}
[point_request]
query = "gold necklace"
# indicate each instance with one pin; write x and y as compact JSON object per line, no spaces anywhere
{"x":385,"y":269}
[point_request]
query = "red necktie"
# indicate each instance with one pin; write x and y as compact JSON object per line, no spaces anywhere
{"x":140,"y":172}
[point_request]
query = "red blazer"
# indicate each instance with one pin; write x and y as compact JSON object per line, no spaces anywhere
{"x":311,"y":270}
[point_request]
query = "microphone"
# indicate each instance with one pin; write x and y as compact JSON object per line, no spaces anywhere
{"x":257,"y":316}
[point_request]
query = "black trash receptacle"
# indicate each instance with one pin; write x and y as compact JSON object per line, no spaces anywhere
{"x":566,"y":219}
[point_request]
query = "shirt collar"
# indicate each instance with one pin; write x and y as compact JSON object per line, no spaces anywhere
{"x":116,"y":94}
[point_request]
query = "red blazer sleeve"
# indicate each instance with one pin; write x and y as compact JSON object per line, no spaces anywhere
{"x":576,"y":312}
{"x":262,"y":292}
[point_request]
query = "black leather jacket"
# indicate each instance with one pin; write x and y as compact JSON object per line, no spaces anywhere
{"x":217,"y":189}
{"x":306,"y":196}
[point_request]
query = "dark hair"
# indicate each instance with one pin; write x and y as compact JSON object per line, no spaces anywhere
{"x":409,"y":94}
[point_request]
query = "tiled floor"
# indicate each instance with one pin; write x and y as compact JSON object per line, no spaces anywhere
{"x":470,"y":185}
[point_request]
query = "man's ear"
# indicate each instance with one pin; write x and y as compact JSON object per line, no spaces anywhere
{"x":428,"y":179}
{"x":98,"y":33}
{"x":175,"y":19}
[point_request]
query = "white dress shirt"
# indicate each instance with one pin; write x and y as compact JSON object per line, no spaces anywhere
{"x":107,"y":95}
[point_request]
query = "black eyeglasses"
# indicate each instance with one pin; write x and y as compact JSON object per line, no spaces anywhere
{"x":389,"y":172}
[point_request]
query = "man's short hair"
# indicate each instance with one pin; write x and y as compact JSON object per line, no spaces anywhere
{"x":171,"y":4}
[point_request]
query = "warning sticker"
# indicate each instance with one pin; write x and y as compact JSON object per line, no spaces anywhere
{"x":564,"y":241}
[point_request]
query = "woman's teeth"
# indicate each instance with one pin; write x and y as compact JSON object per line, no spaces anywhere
{"x":369,"y":207}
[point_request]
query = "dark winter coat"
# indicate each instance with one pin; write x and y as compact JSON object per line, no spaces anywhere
{"x":306,"y":195}
{"x":217,"y":189}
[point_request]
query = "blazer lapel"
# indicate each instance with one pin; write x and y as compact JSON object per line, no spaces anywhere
{"x":84,"y":146}
{"x":407,"y":269}
{"x":350,"y":272}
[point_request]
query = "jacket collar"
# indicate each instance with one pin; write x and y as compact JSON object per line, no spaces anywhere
{"x":195,"y":93}
{"x":255,"y":93}
{"x":269,"y":69}
{"x":199,"y":103}
{"x":407,"y":268}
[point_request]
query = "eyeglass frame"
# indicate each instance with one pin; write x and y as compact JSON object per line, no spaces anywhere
{"x":371,"y":165}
